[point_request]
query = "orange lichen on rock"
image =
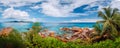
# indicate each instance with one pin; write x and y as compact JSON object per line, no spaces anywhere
{"x":42,"y":35}
{"x":52,"y":34}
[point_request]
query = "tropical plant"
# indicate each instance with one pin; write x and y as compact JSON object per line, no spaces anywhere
{"x":31,"y":36}
{"x":111,"y":21}
{"x":36,"y":27}
{"x":98,"y":28}
{"x":13,"y":40}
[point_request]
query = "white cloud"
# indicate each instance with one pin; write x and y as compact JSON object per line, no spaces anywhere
{"x":35,"y":7}
{"x":17,"y":3}
{"x":51,"y":10}
{"x":115,"y":4}
{"x":55,"y":9}
{"x":100,"y":3}
{"x":16,"y":14}
{"x":84,"y":20}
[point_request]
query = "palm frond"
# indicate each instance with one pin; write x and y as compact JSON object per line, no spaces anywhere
{"x":107,"y":11}
{"x":101,"y":14}
{"x":100,"y":21}
{"x":114,"y":11}
{"x":114,"y":31}
{"x":117,"y":22}
{"x":105,"y":25}
{"x":98,"y":27}
{"x":116,"y":16}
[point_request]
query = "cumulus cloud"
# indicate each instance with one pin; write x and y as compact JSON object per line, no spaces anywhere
{"x":64,"y":8}
{"x":54,"y":7}
{"x":51,"y":10}
{"x":115,"y":4}
{"x":17,"y":3}
{"x":61,"y":8}
{"x":17,"y":14}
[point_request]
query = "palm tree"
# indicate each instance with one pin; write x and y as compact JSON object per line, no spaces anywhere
{"x":98,"y":28}
{"x":111,"y":21}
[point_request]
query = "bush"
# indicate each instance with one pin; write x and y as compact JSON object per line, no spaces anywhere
{"x":14,"y":40}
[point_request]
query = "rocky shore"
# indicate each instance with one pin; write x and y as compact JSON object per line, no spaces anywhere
{"x":70,"y":34}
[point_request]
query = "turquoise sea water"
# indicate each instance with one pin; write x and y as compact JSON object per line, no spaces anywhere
{"x":23,"y":27}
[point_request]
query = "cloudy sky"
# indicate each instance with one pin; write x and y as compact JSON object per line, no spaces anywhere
{"x":54,"y":10}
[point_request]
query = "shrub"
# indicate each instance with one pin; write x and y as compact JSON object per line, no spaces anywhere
{"x":14,"y":40}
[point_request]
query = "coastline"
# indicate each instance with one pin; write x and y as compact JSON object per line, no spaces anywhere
{"x":51,"y":26}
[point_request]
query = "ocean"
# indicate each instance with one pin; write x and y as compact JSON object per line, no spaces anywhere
{"x":23,"y":27}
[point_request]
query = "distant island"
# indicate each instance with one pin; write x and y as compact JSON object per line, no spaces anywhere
{"x":18,"y":21}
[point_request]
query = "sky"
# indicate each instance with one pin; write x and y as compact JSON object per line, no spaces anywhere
{"x":54,"y":10}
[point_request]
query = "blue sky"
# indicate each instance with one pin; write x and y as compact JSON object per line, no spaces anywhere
{"x":54,"y":10}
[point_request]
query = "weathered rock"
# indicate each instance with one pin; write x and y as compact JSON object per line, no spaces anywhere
{"x":52,"y":34}
{"x":64,"y":40}
{"x":65,"y":29}
{"x":77,"y":29}
{"x":42,"y":35}
{"x":76,"y":33}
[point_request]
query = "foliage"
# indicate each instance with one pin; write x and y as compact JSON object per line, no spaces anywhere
{"x":31,"y":36}
{"x":14,"y":40}
{"x":36,"y":27}
{"x":50,"y":42}
{"x":98,"y":28}
{"x":111,"y":21}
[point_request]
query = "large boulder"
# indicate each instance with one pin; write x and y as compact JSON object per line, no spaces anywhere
{"x":65,"y":29}
{"x":76,"y":29}
{"x":52,"y":34}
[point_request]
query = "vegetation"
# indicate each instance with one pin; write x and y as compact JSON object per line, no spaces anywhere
{"x":31,"y":38}
{"x":50,"y":42}
{"x":108,"y":27}
{"x":111,"y":21}
{"x":13,"y":40}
